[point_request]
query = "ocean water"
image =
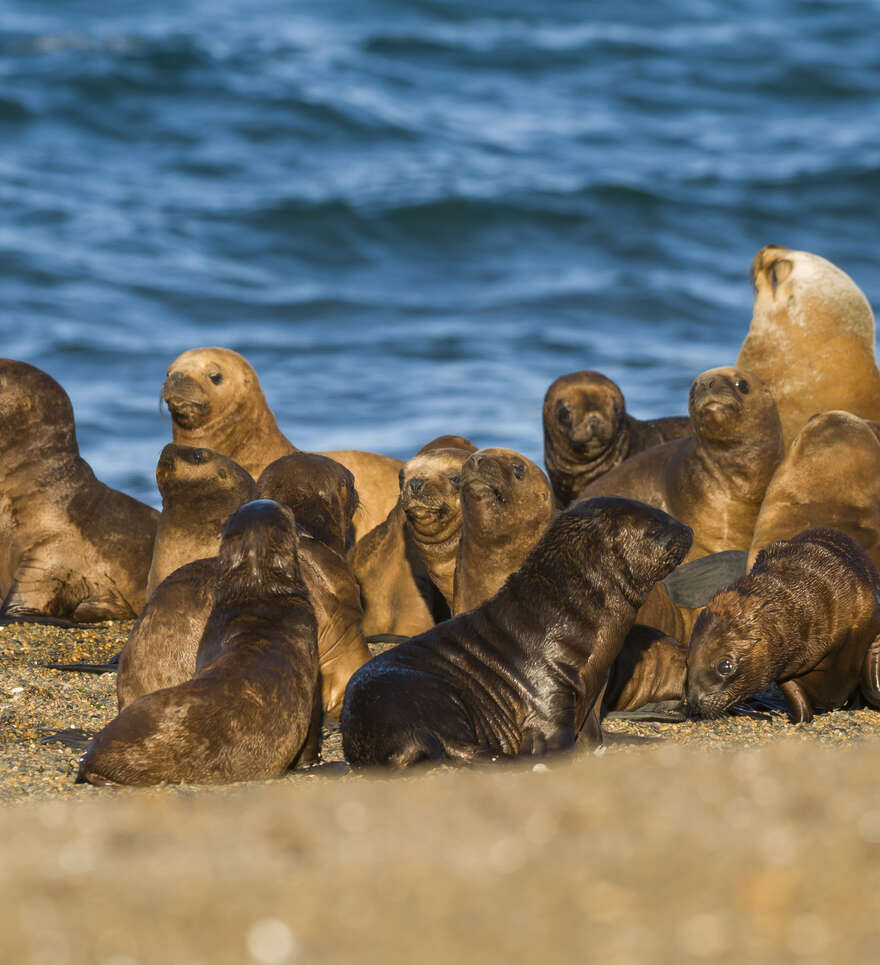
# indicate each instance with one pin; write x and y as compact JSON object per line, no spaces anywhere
{"x":413,"y":215}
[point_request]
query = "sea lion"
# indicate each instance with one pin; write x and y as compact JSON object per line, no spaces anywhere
{"x":447,"y":442}
{"x":73,"y":549}
{"x":216,"y":401}
{"x":429,"y":495}
{"x":200,"y":490}
{"x":588,"y":432}
{"x":714,"y":480}
{"x":811,"y":339}
{"x":506,"y":504}
{"x":519,"y":674}
{"x":650,"y":669}
{"x":830,"y":476}
{"x":807,"y":616}
{"x":162,"y":645}
{"x":253,"y":707}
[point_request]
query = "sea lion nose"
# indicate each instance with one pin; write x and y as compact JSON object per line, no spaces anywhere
{"x":415,"y":486}
{"x":477,"y":459}
{"x":174,"y":378}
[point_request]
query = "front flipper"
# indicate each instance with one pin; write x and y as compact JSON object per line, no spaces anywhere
{"x":870,"y":678}
{"x":800,"y":710}
{"x":545,"y":737}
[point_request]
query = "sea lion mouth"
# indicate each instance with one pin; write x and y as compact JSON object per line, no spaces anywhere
{"x":188,"y":414}
{"x":422,"y":512}
{"x":481,"y":489}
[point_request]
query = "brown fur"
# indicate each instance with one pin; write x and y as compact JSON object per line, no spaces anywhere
{"x":72,"y":548}
{"x":448,"y":442}
{"x":519,"y":674}
{"x":588,"y":432}
{"x":715,"y":480}
{"x":251,"y":709}
{"x":651,"y":668}
{"x":506,"y":505}
{"x":811,"y":338}
{"x":807,"y":616}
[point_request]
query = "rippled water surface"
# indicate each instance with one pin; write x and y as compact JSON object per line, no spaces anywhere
{"x":412,"y":216}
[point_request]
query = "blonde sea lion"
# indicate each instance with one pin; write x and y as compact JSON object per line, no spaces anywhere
{"x":811,"y":339}
{"x":73,"y":549}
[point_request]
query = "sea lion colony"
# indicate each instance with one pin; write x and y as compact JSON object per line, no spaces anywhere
{"x":256,"y":585}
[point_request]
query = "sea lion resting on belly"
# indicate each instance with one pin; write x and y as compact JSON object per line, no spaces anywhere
{"x":807,"y":616}
{"x":72,"y":548}
{"x":216,"y":401}
{"x":588,"y":432}
{"x":253,"y":707}
{"x":519,"y":674}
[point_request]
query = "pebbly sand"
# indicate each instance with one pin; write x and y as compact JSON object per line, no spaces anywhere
{"x":741,"y":839}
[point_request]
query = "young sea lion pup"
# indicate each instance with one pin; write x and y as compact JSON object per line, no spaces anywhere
{"x":811,"y":338}
{"x":519,"y":674}
{"x":73,"y":549}
{"x":253,"y":707}
{"x":588,"y":432}
{"x":807,"y":616}
{"x":200,"y":490}
{"x":216,"y":401}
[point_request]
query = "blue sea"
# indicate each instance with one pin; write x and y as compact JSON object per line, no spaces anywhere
{"x":413,"y":215}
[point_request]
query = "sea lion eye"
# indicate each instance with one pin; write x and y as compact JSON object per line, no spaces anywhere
{"x":743,"y":386}
{"x":455,"y":480}
{"x":216,"y":377}
{"x":563,"y":413}
{"x":199,"y":456}
{"x":725,"y":668}
{"x":519,"y":470}
{"x":400,"y":480}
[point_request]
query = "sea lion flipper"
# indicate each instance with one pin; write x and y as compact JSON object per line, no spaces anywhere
{"x":311,"y":749}
{"x":695,"y":583}
{"x":870,"y":680}
{"x":799,"y":709}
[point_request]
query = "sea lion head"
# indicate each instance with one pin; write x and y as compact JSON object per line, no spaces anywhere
{"x":318,"y":490}
{"x":805,"y":292}
{"x":448,"y":442}
{"x":429,"y":492}
{"x":728,"y":405}
{"x":197,"y":474}
{"x":583,"y":412}
{"x":35,"y":412}
{"x":257,"y":559}
{"x":210,"y":386}
{"x":727,"y":656}
{"x":504,"y":490}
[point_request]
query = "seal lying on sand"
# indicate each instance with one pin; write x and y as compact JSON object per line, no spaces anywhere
{"x":807,"y":616}
{"x":253,"y":707}
{"x":811,"y":338}
{"x":72,"y":548}
{"x":519,"y":674}
{"x":506,"y":505}
{"x":216,"y":401}
{"x":715,"y":480}
{"x":588,"y":432}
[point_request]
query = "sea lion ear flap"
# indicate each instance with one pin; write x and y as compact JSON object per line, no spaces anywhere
{"x":779,"y":271}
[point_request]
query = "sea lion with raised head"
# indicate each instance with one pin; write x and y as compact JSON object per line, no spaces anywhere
{"x":588,"y":432}
{"x":200,"y":490}
{"x":519,"y":674}
{"x":216,"y":401}
{"x":73,"y":549}
{"x":806,"y":616}
{"x":253,"y":707}
{"x":830,"y":476}
{"x":714,"y":480}
{"x":811,"y":339}
{"x":506,"y":505}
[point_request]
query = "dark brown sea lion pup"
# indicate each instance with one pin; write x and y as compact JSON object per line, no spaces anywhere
{"x":807,"y":616}
{"x":216,"y":401}
{"x":200,"y":490}
{"x":506,"y":505}
{"x":715,"y":480}
{"x":72,"y":548}
{"x":519,"y":674}
{"x":811,"y":338}
{"x":830,"y":476}
{"x":588,"y":432}
{"x":253,"y":707}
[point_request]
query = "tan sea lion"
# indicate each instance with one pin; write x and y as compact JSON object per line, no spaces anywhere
{"x":830,"y":476}
{"x":715,"y":480}
{"x":73,"y":549}
{"x":216,"y":401}
{"x":448,"y":442}
{"x":506,"y":504}
{"x":253,"y":707}
{"x":650,"y":669}
{"x":811,"y":338}
{"x":588,"y":432}
{"x":807,"y":616}
{"x":519,"y":674}
{"x":200,"y":490}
